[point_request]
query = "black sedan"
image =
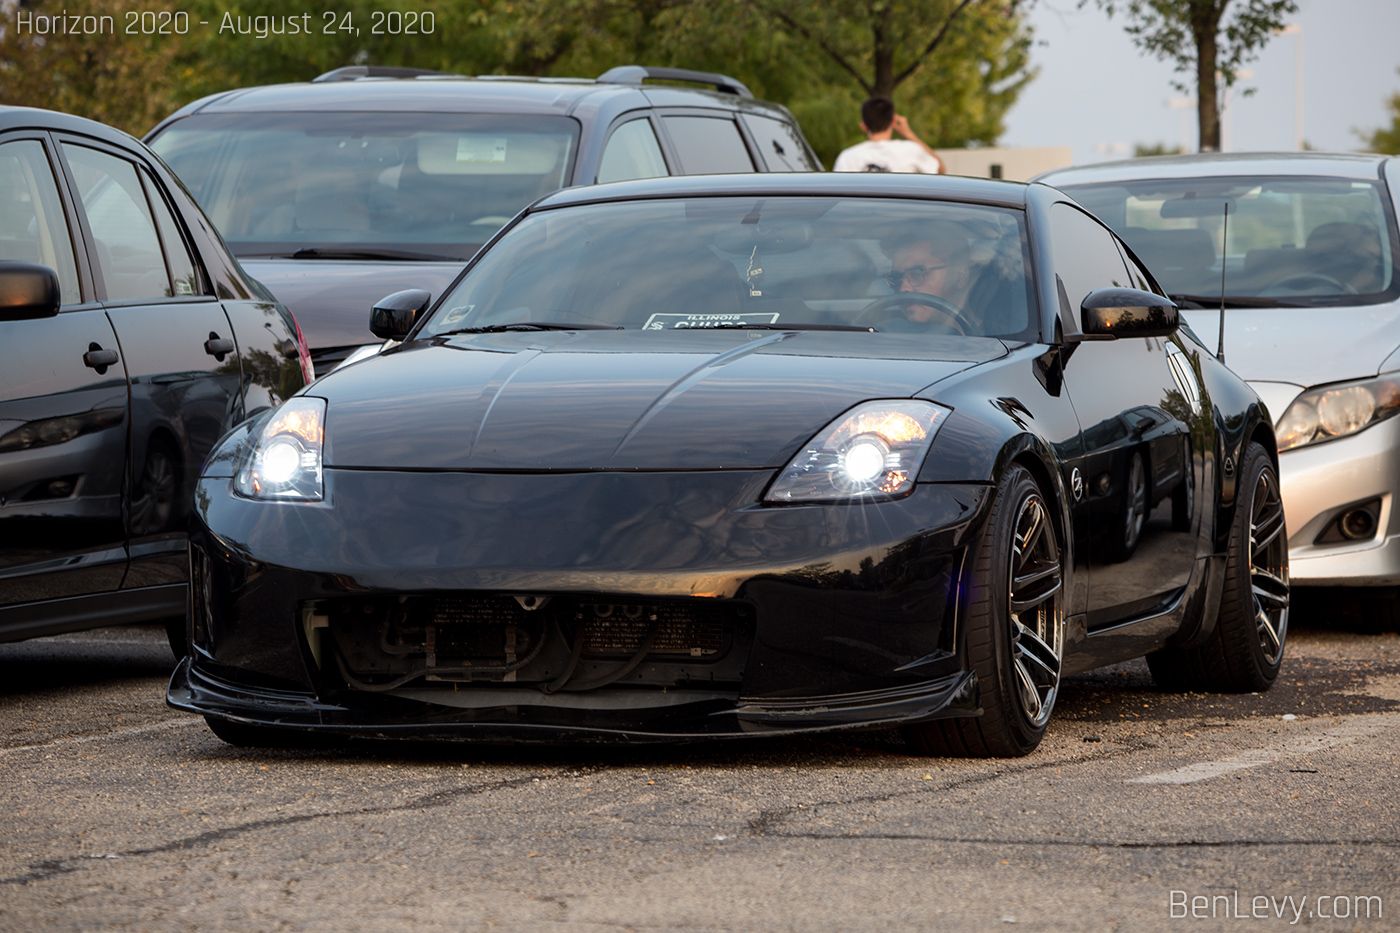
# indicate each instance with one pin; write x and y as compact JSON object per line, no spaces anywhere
{"x":736,"y":456}
{"x":130,"y":342}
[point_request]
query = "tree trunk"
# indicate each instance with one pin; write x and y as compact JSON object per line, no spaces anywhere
{"x":880,"y":21}
{"x":1205,"y":24}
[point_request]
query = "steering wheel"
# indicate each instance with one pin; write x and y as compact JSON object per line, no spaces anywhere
{"x":947,"y":317}
{"x":1303,"y":281}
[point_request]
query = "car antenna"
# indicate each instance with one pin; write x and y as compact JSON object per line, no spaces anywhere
{"x":1224,"y":261}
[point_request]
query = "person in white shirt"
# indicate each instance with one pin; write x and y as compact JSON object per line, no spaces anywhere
{"x":882,"y":152}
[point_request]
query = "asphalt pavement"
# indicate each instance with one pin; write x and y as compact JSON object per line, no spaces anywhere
{"x":1142,"y":810}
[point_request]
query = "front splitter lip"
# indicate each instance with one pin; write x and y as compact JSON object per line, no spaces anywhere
{"x":955,"y":695}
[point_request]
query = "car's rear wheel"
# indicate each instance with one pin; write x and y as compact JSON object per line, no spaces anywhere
{"x":1132,"y":510}
{"x":1015,"y":629}
{"x":1244,"y":652}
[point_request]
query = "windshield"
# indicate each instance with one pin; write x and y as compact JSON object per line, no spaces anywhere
{"x":1292,"y":241}
{"x":916,"y":267}
{"x":366,"y":185}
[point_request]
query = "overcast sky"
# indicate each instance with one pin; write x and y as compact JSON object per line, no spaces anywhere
{"x":1097,"y":93}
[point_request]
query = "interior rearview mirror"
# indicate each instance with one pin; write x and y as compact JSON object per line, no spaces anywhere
{"x":1127,"y":312}
{"x":393,"y":316}
{"x":27,"y":291}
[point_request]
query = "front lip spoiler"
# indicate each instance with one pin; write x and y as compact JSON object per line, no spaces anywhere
{"x":955,"y":695}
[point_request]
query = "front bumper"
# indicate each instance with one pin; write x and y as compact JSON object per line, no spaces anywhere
{"x":1321,"y":482}
{"x":836,"y":617}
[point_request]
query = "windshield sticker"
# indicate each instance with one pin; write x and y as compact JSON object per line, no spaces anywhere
{"x":708,"y":321}
{"x":481,"y":148}
{"x":456,"y":314}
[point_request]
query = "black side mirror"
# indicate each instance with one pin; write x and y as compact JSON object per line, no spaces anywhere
{"x":393,"y":316}
{"x":1110,"y":313}
{"x":27,"y":291}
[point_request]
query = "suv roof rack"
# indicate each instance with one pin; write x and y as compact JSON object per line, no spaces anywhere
{"x":636,"y":74}
{"x":354,"y":72}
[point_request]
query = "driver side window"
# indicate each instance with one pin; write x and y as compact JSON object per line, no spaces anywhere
{"x":632,"y":152}
{"x":32,"y":224}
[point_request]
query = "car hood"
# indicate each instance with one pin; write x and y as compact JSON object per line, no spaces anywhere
{"x":1302,"y":346}
{"x":331,"y":298}
{"x":619,"y":400}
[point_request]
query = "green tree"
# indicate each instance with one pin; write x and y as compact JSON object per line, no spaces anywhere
{"x":1199,"y":38}
{"x":1386,"y":138}
{"x":1142,"y":150}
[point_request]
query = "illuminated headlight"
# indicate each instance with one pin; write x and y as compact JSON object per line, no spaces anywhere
{"x":284,"y":461}
{"x":1336,"y":411}
{"x":873,"y":451}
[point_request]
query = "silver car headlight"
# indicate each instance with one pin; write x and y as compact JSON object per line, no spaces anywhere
{"x":1337,"y":410}
{"x":284,"y":460}
{"x":871,"y":452}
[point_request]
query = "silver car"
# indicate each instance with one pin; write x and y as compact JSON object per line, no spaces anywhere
{"x":1310,"y":288}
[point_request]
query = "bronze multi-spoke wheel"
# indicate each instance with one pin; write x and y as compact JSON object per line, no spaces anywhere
{"x":1015,"y":628}
{"x":1245,"y":650}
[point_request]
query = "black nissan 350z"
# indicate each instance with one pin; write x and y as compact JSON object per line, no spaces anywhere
{"x":733,"y":456}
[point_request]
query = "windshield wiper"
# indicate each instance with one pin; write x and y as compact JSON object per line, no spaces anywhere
{"x":1206,"y":302}
{"x":528,"y":325}
{"x":317,"y":253}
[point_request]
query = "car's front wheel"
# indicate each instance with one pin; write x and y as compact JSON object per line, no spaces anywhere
{"x":1015,"y":629}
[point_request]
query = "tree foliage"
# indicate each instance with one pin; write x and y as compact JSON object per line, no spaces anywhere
{"x":1202,"y":41}
{"x":954,"y":67}
{"x":1386,"y":138}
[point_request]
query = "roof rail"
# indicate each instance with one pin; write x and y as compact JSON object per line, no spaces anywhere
{"x":353,"y":72}
{"x":636,"y":74}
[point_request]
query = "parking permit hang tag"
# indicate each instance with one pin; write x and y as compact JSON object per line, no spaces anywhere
{"x":708,"y":321}
{"x":472,"y":148}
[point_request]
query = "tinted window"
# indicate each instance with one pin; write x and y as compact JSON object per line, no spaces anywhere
{"x":128,"y":249}
{"x":777,"y":142}
{"x":182,"y":271}
{"x":32,"y":225}
{"x":632,"y":152}
{"x":767,"y":261}
{"x":430,"y":185}
{"x":1086,"y":256}
{"x":1290,"y":238}
{"x":708,"y":145}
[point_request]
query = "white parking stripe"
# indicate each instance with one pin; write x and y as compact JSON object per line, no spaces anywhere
{"x":102,"y":736}
{"x":1303,"y":745}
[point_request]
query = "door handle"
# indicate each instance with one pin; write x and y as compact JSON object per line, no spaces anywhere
{"x":99,"y":359}
{"x":217,"y":346}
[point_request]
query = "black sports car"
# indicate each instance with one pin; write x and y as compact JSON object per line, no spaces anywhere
{"x":734,"y":455}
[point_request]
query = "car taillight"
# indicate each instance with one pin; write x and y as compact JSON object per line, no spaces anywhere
{"x":308,"y":371}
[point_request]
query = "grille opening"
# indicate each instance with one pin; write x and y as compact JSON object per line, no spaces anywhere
{"x":380,"y":643}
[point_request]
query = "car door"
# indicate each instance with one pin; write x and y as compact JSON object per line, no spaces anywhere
{"x":1136,"y":500}
{"x":63,"y":411}
{"x":181,"y":355}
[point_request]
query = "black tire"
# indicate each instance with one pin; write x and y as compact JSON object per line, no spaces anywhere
{"x":1244,"y":652}
{"x":247,"y":735}
{"x":1133,"y":509}
{"x":1014,"y":629}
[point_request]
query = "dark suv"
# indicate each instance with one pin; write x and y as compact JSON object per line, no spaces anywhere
{"x":369,"y":180}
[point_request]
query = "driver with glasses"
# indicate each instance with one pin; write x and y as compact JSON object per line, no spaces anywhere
{"x":935,"y":263}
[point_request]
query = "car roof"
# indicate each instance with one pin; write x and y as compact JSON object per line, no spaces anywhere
{"x":18,"y":118}
{"x":823,"y":184}
{"x":1210,"y":164}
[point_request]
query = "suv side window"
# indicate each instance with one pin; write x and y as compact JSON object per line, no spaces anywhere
{"x":32,"y":225}
{"x":124,"y":233}
{"x":779,"y":145}
{"x":632,"y":152}
{"x":708,"y":145}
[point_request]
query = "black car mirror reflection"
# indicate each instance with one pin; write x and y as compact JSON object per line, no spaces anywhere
{"x":27,"y":291}
{"x":393,"y":316}
{"x":1127,"y":312}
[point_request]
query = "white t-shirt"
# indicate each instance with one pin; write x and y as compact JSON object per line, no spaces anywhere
{"x":887,"y":155}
